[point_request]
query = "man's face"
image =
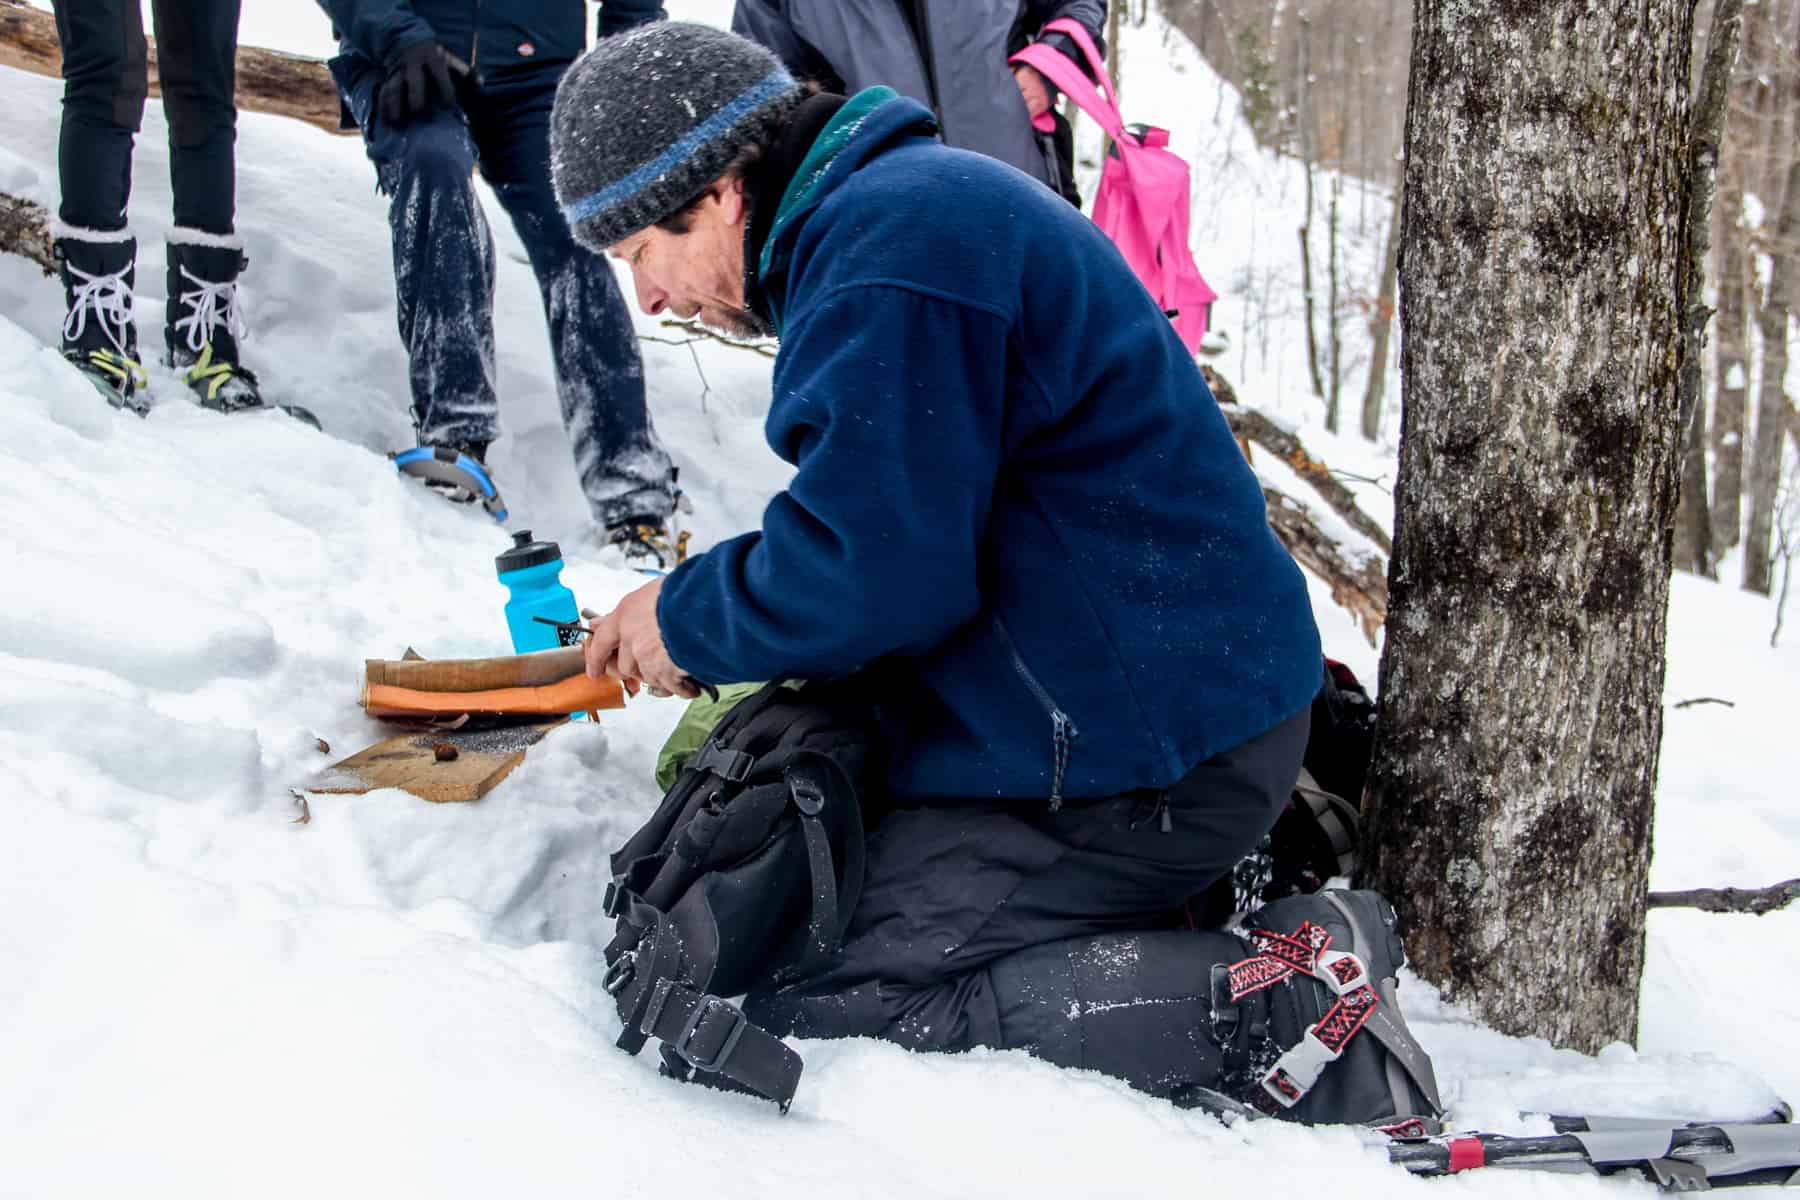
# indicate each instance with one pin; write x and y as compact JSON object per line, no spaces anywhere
{"x":699,"y":273}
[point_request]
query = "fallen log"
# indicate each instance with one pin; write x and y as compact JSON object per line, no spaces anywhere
{"x":1759,"y":901}
{"x":1358,"y":587}
{"x":25,"y":230}
{"x":1250,"y":425}
{"x":270,"y":81}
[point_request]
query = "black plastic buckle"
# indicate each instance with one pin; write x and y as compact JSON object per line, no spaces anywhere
{"x":618,"y":977}
{"x":682,"y":1046}
{"x":731,"y":765}
{"x":808,"y":796}
{"x":613,"y":902}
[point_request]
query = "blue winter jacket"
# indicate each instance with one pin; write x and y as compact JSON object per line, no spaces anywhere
{"x":1013,"y":489}
{"x":495,"y":37}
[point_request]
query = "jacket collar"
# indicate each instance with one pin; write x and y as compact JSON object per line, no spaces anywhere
{"x":857,"y":130}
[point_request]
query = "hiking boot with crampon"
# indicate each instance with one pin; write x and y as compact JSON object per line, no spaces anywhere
{"x":457,"y":473}
{"x":647,"y":545}
{"x":98,"y":270}
{"x":205,"y":324}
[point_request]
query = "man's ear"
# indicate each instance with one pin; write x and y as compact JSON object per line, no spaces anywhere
{"x":734,"y":200}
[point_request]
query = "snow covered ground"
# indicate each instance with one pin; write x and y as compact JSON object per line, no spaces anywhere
{"x":201,"y":997}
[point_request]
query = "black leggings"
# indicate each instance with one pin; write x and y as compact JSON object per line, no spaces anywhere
{"x":105,"y":82}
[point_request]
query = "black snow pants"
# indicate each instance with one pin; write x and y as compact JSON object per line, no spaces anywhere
{"x":106,"y":80}
{"x":973,"y":916}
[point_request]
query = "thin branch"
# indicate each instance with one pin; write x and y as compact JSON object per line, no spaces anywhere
{"x":1703,"y":700}
{"x":700,"y":332}
{"x":1760,"y":901}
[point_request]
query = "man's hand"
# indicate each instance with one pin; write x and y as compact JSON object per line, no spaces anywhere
{"x":420,"y":78}
{"x":627,"y":644}
{"x":1032,"y":89}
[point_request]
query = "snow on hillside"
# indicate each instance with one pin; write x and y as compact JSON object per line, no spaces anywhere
{"x":204,"y":998}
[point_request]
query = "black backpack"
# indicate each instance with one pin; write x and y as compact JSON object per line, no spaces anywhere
{"x":747,"y":874}
{"x":1315,"y":837}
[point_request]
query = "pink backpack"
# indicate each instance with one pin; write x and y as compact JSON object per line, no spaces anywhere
{"x":1143,"y":200}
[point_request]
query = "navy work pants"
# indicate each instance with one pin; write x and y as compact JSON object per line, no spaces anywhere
{"x":105,"y":82}
{"x":444,"y":283}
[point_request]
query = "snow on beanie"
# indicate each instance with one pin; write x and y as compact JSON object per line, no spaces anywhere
{"x":645,"y":121}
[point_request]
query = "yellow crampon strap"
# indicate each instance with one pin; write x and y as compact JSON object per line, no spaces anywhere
{"x":128,"y":371}
{"x":214,"y":375}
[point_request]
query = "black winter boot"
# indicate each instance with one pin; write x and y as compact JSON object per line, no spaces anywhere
{"x":99,"y":336}
{"x":204,"y":324}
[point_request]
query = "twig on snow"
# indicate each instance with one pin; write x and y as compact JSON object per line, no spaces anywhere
{"x":1703,"y":700}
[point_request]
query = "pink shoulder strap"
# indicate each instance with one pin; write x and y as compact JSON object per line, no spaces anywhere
{"x":1099,"y":103}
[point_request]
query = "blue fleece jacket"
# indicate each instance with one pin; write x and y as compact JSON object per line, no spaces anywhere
{"x":1013,"y":489}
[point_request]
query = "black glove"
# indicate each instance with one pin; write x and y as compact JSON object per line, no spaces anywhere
{"x":420,"y":78}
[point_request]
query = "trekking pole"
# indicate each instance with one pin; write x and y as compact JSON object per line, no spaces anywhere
{"x":1679,"y":1158}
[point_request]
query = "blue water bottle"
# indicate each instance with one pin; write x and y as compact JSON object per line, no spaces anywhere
{"x":530,"y":570}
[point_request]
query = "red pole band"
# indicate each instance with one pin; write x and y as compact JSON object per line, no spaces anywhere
{"x":1466,"y":1154}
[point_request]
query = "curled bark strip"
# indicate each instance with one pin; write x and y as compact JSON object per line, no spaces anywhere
{"x":1359,"y":587}
{"x":1249,"y":424}
{"x":1759,"y":901}
{"x":1703,"y":700}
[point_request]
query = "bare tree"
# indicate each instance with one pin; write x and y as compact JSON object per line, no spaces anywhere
{"x":1510,"y":802}
{"x":1381,"y":324}
{"x":1693,"y":528}
{"x":1771,"y":407}
{"x":1734,"y":366}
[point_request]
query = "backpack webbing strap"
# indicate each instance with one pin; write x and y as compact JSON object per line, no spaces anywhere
{"x":713,"y":1037}
{"x":706,"y":1032}
{"x":1405,"y":1050}
{"x":1307,"y":951}
{"x":1334,"y":816}
{"x":810,"y":783}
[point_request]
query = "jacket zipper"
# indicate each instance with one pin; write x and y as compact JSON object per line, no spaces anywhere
{"x":1062,"y":730}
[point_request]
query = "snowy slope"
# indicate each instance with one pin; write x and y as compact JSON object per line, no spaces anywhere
{"x":203,"y":998}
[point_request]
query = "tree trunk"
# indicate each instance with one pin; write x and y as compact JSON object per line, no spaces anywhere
{"x":1734,"y":368}
{"x":1333,"y":340}
{"x":289,"y":85}
{"x":1510,"y":798}
{"x":1693,"y":527}
{"x":1771,"y":406}
{"x":1381,"y":325}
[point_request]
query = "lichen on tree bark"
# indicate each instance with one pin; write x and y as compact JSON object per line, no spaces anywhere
{"x":1510,"y":800}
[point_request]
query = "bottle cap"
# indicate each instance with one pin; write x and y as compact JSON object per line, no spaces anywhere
{"x":527,"y":553}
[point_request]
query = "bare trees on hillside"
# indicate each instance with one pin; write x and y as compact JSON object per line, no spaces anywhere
{"x":1324,"y":83}
{"x":1737,"y":445}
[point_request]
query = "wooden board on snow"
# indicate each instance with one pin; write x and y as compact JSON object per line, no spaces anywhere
{"x":409,"y":762}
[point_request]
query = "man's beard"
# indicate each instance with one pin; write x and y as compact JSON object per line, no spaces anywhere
{"x":736,"y":322}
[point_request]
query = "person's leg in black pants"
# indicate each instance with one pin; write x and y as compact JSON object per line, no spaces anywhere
{"x":105,"y":80}
{"x":625,"y":473}
{"x":196,"y":43}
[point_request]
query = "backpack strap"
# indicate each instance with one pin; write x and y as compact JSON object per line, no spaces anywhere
{"x":1098,"y":101}
{"x":814,"y":781}
{"x":708,"y":1033}
{"x":1335,"y":818}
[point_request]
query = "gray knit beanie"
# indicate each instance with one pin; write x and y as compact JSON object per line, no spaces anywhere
{"x":646,"y":120}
